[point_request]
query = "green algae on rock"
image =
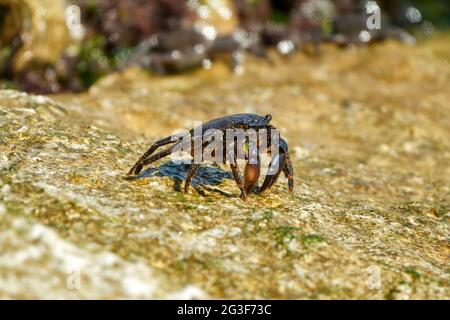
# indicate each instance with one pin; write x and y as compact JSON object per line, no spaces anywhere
{"x":369,"y":217}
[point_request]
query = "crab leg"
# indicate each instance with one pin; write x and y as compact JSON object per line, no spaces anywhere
{"x":289,"y":173}
{"x":192,"y":172}
{"x":142,"y":160}
{"x":237,"y":176}
{"x":231,"y":158}
{"x":145,"y":161}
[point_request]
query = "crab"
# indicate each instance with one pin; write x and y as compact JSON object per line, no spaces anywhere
{"x":279,"y":160}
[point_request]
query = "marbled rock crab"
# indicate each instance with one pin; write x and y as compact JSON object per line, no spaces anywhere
{"x":249,"y":123}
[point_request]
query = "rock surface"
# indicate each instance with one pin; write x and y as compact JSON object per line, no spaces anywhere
{"x":369,"y":135}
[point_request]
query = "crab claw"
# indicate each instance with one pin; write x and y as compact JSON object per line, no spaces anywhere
{"x":289,"y":173}
{"x":279,"y":162}
{"x":251,"y":176}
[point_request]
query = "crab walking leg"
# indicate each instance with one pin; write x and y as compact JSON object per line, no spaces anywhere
{"x":288,"y":170}
{"x":152,"y":158}
{"x":271,"y":177}
{"x":140,"y":163}
{"x":192,"y":172}
{"x":232,"y":158}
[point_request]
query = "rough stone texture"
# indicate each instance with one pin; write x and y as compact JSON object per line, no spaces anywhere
{"x":369,"y":135}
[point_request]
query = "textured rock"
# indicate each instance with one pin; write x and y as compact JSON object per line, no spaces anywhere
{"x":42,"y":28}
{"x":369,"y":134}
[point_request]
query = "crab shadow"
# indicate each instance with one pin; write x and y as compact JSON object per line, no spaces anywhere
{"x":207,"y":177}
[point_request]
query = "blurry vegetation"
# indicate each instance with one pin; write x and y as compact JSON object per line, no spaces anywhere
{"x":3,"y":12}
{"x":436,"y":11}
{"x":114,"y":28}
{"x":6,"y":49}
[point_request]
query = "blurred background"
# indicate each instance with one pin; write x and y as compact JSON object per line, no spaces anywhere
{"x":52,"y":46}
